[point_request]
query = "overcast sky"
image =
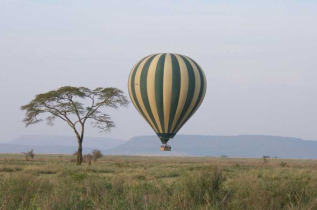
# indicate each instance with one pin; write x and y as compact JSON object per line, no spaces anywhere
{"x":260,"y":60}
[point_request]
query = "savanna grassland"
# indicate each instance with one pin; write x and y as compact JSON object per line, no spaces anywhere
{"x":121,"y":182}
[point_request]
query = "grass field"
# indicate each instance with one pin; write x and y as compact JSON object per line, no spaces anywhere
{"x":121,"y":182}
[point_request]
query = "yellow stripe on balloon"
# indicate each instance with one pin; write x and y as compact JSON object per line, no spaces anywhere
{"x":167,"y":89}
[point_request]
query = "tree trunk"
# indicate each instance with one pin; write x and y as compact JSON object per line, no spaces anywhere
{"x":80,"y":144}
{"x":80,"y":152}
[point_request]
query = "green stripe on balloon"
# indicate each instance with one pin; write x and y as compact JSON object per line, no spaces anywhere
{"x":190,"y":92}
{"x":143,"y":86}
{"x":176,"y":85}
{"x":159,"y":76}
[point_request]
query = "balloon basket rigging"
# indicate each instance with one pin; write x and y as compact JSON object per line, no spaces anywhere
{"x":165,"y":147}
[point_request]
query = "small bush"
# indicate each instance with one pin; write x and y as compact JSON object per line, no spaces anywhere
{"x":140,"y":177}
{"x":122,"y":164}
{"x":88,"y":158}
{"x":283,"y":164}
{"x":207,"y":188}
{"x":96,"y":154}
{"x":266,"y":158}
{"x":29,"y":155}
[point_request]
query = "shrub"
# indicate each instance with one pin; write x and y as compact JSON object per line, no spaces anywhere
{"x":29,"y":155}
{"x":207,"y":188}
{"x":283,"y":164}
{"x":96,"y":154}
{"x":88,"y":158}
{"x":265,"y":158}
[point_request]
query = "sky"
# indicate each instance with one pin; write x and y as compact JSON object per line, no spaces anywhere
{"x":259,"y":58}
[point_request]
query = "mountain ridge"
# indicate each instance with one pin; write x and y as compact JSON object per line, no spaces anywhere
{"x":244,"y":146}
{"x":232,"y":146}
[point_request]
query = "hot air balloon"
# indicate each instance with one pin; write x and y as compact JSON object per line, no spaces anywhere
{"x":167,"y":89}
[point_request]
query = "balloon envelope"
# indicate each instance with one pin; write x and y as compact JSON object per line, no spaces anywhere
{"x":167,"y":89}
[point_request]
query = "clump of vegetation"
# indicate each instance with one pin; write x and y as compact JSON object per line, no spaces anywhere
{"x":96,"y":154}
{"x":88,"y":158}
{"x":10,"y":169}
{"x":29,"y":155}
{"x":207,"y":188}
{"x":266,"y":158}
{"x":122,"y":164}
{"x":283,"y":164}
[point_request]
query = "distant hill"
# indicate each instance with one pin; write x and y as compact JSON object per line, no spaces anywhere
{"x":232,"y":146}
{"x":57,"y":144}
{"x":252,"y":146}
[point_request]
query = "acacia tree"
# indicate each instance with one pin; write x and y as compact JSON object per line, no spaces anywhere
{"x":75,"y":106}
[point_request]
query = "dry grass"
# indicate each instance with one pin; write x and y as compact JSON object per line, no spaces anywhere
{"x":122,"y":182}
